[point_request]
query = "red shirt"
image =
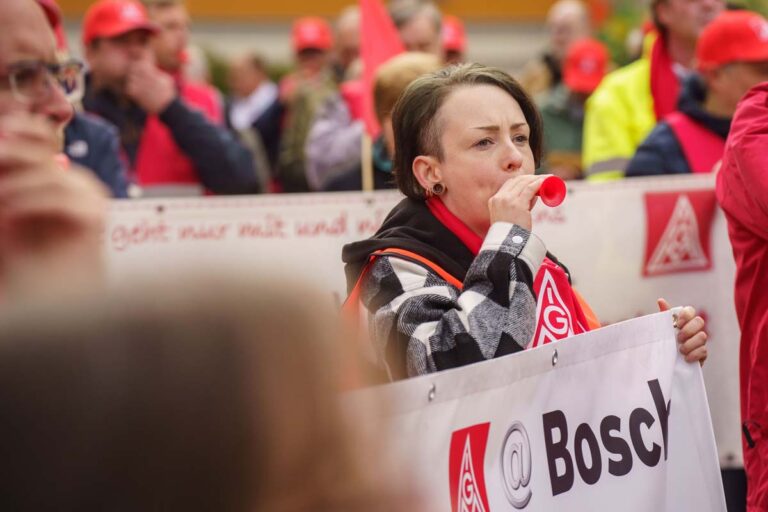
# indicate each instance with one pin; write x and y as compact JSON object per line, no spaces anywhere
{"x":159,"y":160}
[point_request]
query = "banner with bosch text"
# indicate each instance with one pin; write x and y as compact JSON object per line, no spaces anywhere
{"x":625,"y":244}
{"x":614,"y":419}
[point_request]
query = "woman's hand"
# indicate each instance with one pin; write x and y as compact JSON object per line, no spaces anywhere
{"x":515,"y":199}
{"x":692,"y":337}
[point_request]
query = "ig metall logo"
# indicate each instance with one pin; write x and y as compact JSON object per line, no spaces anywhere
{"x":516,"y":466}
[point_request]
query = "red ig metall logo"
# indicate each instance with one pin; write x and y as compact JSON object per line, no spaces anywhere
{"x":467,"y":469}
{"x":678,"y":233}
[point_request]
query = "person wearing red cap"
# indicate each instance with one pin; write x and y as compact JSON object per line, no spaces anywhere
{"x":584,"y":67}
{"x":311,"y":40}
{"x":454,"y":40}
{"x":631,"y":100}
{"x":168,"y":129}
{"x":302,"y":94}
{"x":52,"y":219}
{"x":732,"y":56}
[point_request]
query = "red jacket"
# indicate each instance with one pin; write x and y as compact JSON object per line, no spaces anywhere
{"x":742,"y":190}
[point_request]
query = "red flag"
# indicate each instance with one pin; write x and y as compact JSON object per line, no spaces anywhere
{"x":379,"y":42}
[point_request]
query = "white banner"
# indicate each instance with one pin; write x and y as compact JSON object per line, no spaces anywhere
{"x":610,"y":420}
{"x":626,"y":244}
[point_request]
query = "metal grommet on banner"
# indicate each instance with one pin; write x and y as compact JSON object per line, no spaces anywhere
{"x":432,"y":393}
{"x":554,"y":358}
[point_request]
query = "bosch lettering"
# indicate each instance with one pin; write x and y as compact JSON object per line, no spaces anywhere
{"x":586,"y":451}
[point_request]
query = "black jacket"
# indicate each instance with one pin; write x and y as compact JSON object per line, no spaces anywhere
{"x":660,"y":152}
{"x":418,"y":321}
{"x":268,"y":127}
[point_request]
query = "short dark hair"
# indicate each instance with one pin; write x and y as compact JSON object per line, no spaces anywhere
{"x":414,"y":118}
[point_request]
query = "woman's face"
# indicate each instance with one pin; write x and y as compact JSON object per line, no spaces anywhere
{"x":485,"y":142}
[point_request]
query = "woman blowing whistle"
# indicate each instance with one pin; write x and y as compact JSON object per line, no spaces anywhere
{"x":453,"y":275}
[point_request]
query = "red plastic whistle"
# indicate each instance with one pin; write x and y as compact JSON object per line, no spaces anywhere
{"x":552,"y":191}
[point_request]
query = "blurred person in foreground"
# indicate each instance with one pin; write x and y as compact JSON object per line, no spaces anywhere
{"x":51,"y":219}
{"x":567,"y":21}
{"x":254,"y":104}
{"x":454,"y":40}
{"x":214,"y":395}
{"x":170,"y":129}
{"x":562,"y":112}
{"x":302,"y":93}
{"x":392,"y":78}
{"x":89,"y":141}
{"x":731,"y":58}
{"x":631,"y":100}
{"x":742,"y":191}
{"x":453,"y":274}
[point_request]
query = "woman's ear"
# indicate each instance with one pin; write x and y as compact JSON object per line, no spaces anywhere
{"x":427,"y":171}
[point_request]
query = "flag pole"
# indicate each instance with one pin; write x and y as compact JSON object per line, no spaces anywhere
{"x":367,"y":167}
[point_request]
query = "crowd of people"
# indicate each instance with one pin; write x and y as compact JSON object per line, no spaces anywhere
{"x":452,"y":277}
{"x":142,"y":101}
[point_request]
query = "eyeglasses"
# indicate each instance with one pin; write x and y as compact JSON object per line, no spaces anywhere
{"x":34,"y":81}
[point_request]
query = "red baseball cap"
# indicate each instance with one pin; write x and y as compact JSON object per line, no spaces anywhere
{"x":586,"y":63}
{"x":454,"y":36}
{"x":311,"y":33}
{"x":734,"y":36}
{"x":112,"y":18}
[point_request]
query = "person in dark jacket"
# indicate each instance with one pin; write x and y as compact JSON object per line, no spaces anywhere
{"x":732,"y":56}
{"x":391,"y":80}
{"x":254,"y":103}
{"x":95,"y":144}
{"x":171,"y":131}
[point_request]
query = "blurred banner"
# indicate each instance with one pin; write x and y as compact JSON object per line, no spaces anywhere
{"x":625,"y":243}
{"x":614,"y":419}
